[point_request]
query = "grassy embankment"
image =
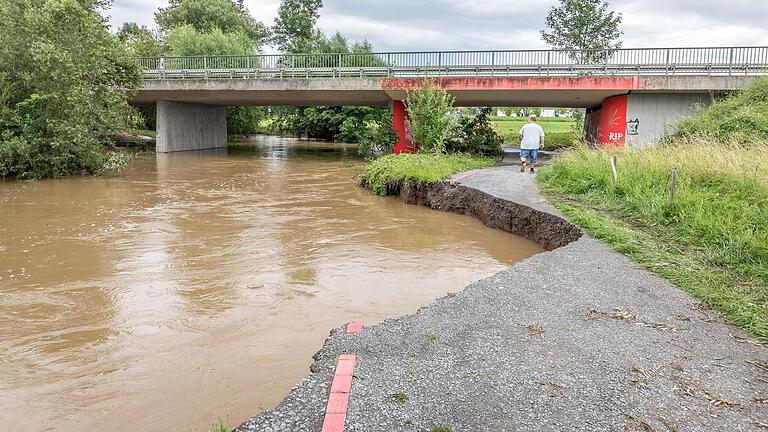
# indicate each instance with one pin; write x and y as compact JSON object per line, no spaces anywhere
{"x":385,"y":174}
{"x":712,"y":241}
{"x":559,"y":131}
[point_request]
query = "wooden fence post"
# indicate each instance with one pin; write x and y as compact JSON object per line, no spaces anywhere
{"x":613,"y":168}
{"x":673,"y":187}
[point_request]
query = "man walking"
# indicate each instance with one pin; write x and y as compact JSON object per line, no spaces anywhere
{"x":531,"y":140}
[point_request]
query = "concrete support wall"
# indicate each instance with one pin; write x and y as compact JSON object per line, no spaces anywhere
{"x":652,"y":115}
{"x":185,"y":126}
{"x":639,"y":119}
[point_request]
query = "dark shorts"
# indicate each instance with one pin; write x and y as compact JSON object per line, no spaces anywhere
{"x":532,"y":155}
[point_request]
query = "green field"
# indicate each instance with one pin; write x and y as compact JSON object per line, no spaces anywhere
{"x":559,"y":131}
{"x":511,"y":126}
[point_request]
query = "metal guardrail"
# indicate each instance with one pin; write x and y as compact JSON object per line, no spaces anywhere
{"x":748,"y":61}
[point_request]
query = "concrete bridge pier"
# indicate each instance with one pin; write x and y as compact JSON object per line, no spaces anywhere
{"x":190,"y":126}
{"x":400,"y":123}
{"x":640,"y":119}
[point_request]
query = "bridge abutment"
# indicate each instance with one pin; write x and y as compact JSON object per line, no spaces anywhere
{"x":639,"y":119}
{"x":188,"y":126}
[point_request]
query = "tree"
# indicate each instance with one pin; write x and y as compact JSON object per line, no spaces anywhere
{"x":508,"y":111}
{"x":63,"y":82}
{"x":139,"y":41}
{"x":347,"y":124}
{"x":215,"y":27}
{"x":527,"y":111}
{"x":523,"y":111}
{"x":188,"y":41}
{"x":208,"y":15}
{"x":431,"y":118}
{"x":583,"y":25}
{"x":294,"y":31}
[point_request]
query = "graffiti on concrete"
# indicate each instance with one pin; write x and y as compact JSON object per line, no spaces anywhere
{"x":633,"y":127}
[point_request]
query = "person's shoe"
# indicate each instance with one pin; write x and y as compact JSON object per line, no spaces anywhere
{"x":522,"y":167}
{"x":533,"y":171}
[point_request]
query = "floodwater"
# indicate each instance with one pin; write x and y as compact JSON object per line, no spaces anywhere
{"x":197,"y":286}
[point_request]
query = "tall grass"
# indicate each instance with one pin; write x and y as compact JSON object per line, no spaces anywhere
{"x":719,"y":218}
{"x":386,"y":173}
{"x":741,"y":117}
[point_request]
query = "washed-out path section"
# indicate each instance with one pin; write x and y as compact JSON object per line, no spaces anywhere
{"x":578,"y":338}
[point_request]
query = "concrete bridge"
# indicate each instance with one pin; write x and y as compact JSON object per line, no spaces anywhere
{"x":632,"y":96}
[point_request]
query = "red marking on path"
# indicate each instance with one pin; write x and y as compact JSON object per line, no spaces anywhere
{"x":338,"y":399}
{"x":334,"y":422}
{"x":354,"y":327}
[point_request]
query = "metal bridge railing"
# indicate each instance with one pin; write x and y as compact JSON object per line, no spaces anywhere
{"x":639,"y":61}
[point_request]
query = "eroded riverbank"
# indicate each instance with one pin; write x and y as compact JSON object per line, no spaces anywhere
{"x":198,"y":285}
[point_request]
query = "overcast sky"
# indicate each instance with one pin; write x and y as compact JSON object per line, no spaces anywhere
{"x":413,"y":25}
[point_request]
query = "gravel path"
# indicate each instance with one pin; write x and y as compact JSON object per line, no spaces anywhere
{"x":575,"y":339}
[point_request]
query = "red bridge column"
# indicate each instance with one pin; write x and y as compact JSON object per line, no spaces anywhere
{"x":400,"y":124}
{"x":607,"y":125}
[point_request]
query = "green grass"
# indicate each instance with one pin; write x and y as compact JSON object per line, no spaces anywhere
{"x":221,"y":427}
{"x":559,"y":131}
{"x":385,"y":174}
{"x":400,"y":396}
{"x":742,"y":117}
{"x":712,"y":241}
{"x":511,"y":126}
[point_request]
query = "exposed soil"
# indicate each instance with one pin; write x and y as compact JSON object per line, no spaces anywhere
{"x":548,"y":230}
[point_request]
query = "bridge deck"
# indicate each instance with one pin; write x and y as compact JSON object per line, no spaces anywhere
{"x":585,"y":91}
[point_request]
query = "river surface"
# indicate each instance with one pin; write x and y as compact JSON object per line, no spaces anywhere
{"x":197,"y":286}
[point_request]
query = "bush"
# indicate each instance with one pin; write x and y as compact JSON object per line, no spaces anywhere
{"x":561,"y":141}
{"x":244,"y":120}
{"x":331,"y":123}
{"x":376,"y":140}
{"x":478,"y":136}
{"x":386,"y":174}
{"x":431,"y":119}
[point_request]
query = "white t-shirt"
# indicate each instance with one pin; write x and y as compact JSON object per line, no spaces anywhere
{"x":532,"y":134}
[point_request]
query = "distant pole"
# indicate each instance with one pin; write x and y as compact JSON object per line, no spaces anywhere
{"x":673,"y":187}
{"x":613,"y":168}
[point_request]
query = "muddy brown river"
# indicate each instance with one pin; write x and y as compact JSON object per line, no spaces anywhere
{"x":197,"y":286}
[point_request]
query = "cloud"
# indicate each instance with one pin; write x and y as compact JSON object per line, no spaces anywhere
{"x":420,"y":25}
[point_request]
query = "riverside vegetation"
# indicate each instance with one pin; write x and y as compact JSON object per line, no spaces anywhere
{"x":62,"y":96}
{"x":712,"y":239}
{"x":66,"y":79}
{"x":445,"y":144}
